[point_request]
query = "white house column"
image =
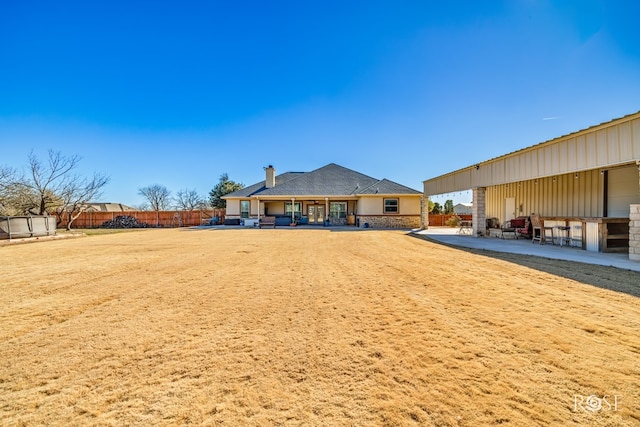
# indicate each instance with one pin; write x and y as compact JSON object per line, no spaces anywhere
{"x":258,"y":208}
{"x":293,"y":210}
{"x":326,"y":209}
{"x":479,"y":211}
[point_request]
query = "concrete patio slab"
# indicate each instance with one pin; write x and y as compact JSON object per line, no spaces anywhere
{"x":450,"y":236}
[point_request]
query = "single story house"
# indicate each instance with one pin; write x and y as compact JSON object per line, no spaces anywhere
{"x":331,"y":193}
{"x":463,"y":209}
{"x":107,"y":207}
{"x":587,"y":182}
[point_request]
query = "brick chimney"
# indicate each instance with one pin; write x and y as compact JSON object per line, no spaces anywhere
{"x":271,"y":176}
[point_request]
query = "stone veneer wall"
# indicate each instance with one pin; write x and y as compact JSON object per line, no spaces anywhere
{"x":479,"y":209}
{"x":338,"y":221}
{"x":634,"y":233}
{"x":424,"y":212}
{"x":390,"y":221}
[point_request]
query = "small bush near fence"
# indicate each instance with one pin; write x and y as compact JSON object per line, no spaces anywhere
{"x":453,"y":221}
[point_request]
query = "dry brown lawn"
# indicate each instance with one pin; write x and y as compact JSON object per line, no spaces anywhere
{"x":310,"y":327}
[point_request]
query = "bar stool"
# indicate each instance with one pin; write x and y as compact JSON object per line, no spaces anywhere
{"x":563,"y":235}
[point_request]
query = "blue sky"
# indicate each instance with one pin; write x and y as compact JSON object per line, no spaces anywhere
{"x":178,"y":93}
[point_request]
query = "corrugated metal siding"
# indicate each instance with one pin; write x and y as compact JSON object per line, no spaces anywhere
{"x":575,"y":234}
{"x":593,"y":239}
{"x":610,"y":144}
{"x":566,"y":196}
{"x":623,"y":190}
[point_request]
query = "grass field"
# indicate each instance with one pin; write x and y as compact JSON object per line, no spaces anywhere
{"x":310,"y":327}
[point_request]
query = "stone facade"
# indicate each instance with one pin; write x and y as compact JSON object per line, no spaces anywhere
{"x":390,"y":221}
{"x":338,"y":221}
{"x":634,"y":233}
{"x":424,"y":213}
{"x":479,"y":211}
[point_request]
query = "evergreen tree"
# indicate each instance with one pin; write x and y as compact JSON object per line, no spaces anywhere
{"x":222,"y":188}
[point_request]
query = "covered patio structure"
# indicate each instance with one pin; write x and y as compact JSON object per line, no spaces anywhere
{"x":309,"y":210}
{"x":587,"y":181}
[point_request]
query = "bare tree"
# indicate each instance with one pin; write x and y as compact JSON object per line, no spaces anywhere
{"x":18,"y":195}
{"x":7,"y":182}
{"x":189,"y":200}
{"x":49,"y":187}
{"x":6,"y":176}
{"x":77,"y":194}
{"x":158,"y":196}
{"x":47,"y":182}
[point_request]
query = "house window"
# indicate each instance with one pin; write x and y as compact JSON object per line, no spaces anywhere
{"x":337,"y":210}
{"x":297,"y":209}
{"x":245,"y":206}
{"x":390,"y":206}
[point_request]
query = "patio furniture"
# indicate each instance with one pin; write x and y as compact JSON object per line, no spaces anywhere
{"x":510,"y":227}
{"x":267,"y":221}
{"x":466,"y":227}
{"x":539,"y":231}
{"x":522,"y":226}
{"x":563,"y":236}
{"x":250,"y":222}
{"x":493,"y":222}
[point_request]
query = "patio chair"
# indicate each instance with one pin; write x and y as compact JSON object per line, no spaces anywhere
{"x":523,"y":229}
{"x":539,"y":231}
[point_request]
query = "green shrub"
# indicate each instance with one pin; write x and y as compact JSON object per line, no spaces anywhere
{"x":453,"y":221}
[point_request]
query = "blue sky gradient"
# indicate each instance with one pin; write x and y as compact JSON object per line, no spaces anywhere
{"x":177,"y":93}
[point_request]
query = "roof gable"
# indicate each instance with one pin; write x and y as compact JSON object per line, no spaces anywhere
{"x":329,"y":180}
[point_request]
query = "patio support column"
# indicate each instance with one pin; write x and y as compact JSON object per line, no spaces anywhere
{"x":293,"y":209}
{"x":424,"y":212}
{"x":326,"y":209}
{"x":258,"y":208}
{"x":355,"y":211}
{"x":634,"y":233}
{"x":479,"y":212}
{"x":634,"y":227}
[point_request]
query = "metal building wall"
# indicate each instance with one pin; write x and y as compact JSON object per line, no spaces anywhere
{"x":562,"y":195}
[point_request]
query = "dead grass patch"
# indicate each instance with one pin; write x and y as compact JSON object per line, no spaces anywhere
{"x":304,"y":327}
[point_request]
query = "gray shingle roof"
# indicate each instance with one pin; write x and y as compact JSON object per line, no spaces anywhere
{"x":329,"y":180}
{"x":385,"y":186}
{"x":258,"y":187}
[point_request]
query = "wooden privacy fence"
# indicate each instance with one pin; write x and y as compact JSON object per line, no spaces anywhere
{"x":153,"y":218}
{"x":441,"y":219}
